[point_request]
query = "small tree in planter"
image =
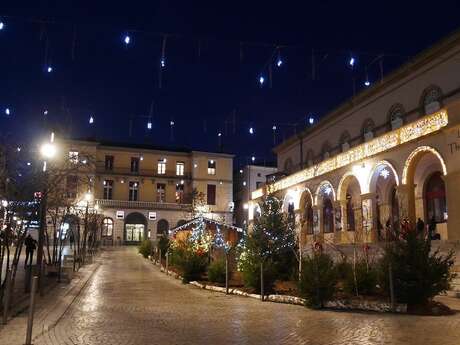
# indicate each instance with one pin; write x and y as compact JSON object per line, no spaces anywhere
{"x":418,"y":274}
{"x":318,"y":279}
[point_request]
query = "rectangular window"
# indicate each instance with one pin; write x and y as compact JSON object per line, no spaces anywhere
{"x":259,"y":184}
{"x":108,"y":189}
{"x":180,"y":167}
{"x":133,"y":191}
{"x":161,"y":192}
{"x":211,"y":167}
{"x":134,"y":164}
{"x":179,"y":193}
{"x":71,"y":186}
{"x":73,"y":157}
{"x":162,"y":166}
{"x":108,"y":162}
{"x":211,"y":194}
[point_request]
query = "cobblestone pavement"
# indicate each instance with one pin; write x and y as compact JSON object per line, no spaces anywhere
{"x":128,"y":301}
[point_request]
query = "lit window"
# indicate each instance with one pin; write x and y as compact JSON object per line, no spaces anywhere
{"x":108,"y":189}
{"x":179,"y":193}
{"x":133,"y":191}
{"x":180,"y":167}
{"x":211,"y":167}
{"x":73,"y":157}
{"x":107,"y":227}
{"x":161,"y":192}
{"x":161,"y":166}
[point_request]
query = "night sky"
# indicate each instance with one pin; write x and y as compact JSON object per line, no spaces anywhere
{"x":200,"y":91}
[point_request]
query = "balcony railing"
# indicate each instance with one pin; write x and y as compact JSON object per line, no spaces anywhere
{"x":142,"y":172}
{"x":143,"y":205}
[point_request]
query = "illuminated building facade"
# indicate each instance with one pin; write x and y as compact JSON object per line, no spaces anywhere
{"x":389,"y":154}
{"x":142,"y":191}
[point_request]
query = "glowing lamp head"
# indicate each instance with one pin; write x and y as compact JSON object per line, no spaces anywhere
{"x":49,"y":69}
{"x":127,"y":39}
{"x":279,"y":62}
{"x":91,"y":120}
{"x":246,"y":206}
{"x":48,"y":150}
{"x":149,"y":125}
{"x":253,"y":158}
{"x":45,"y":112}
{"x":2,"y":25}
{"x":367,"y":82}
{"x":163,"y":62}
{"x":171,"y":123}
{"x":261,"y":80}
{"x":251,"y":130}
{"x":274,"y":128}
{"x":311,"y":120}
{"x":7,"y":111}
{"x":88,"y":196}
{"x":219,"y":134}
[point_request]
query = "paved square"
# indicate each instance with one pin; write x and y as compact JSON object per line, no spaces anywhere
{"x":128,"y":301}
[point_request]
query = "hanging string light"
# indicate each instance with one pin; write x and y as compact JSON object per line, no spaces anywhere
{"x":279,"y":60}
{"x":367,"y":82}
{"x":261,"y":80}
{"x":127,"y":39}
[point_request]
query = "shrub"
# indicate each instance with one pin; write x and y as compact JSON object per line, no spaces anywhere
{"x":145,"y":248}
{"x":318,"y":280}
{"x":216,"y":271}
{"x":418,"y":274}
{"x":362,"y":280}
{"x":193,"y":266}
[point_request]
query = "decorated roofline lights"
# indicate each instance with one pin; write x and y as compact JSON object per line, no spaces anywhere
{"x":417,"y":129}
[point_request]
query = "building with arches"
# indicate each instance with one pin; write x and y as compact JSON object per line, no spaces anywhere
{"x":393,"y":154}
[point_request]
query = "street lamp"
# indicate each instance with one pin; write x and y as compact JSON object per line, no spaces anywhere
{"x":48,"y":150}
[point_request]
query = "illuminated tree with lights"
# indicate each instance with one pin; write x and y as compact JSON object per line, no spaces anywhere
{"x":273,"y":242}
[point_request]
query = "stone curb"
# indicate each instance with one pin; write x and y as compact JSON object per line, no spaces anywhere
{"x":348,"y":305}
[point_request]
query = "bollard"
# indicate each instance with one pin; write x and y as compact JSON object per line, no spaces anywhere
{"x":167,"y":257}
{"x":30,"y":319}
{"x":226,"y":274}
{"x":6,"y":302}
{"x":392,"y":292}
{"x":262,"y":281}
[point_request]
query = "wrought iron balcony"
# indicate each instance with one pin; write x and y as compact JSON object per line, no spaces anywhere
{"x":147,"y":205}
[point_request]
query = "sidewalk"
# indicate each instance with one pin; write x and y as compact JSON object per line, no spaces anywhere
{"x":49,"y":308}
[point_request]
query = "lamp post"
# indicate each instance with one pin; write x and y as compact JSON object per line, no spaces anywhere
{"x":88,"y":198}
{"x":48,"y":152}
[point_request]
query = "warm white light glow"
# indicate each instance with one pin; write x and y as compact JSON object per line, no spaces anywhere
{"x":48,"y":150}
{"x":418,"y":151}
{"x":245,"y":206}
{"x":424,"y":126}
{"x":88,"y":196}
{"x":4,"y":203}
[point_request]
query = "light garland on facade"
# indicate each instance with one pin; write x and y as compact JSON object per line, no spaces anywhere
{"x":427,"y":125}
{"x":415,"y":153}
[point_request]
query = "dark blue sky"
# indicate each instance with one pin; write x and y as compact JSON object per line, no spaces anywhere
{"x":199,"y":94}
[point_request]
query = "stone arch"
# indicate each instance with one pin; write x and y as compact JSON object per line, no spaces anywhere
{"x":420,"y":166}
{"x":431,"y":99}
{"x":306,"y":213}
{"x":162,"y":227}
{"x":349,"y":194}
{"x":324,"y":202}
{"x":383,"y":184}
{"x":135,"y":228}
{"x":415,"y":155}
{"x":289,"y":202}
{"x":107,"y":227}
{"x":367,"y":129}
{"x":325,"y":187}
{"x":396,"y":115}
